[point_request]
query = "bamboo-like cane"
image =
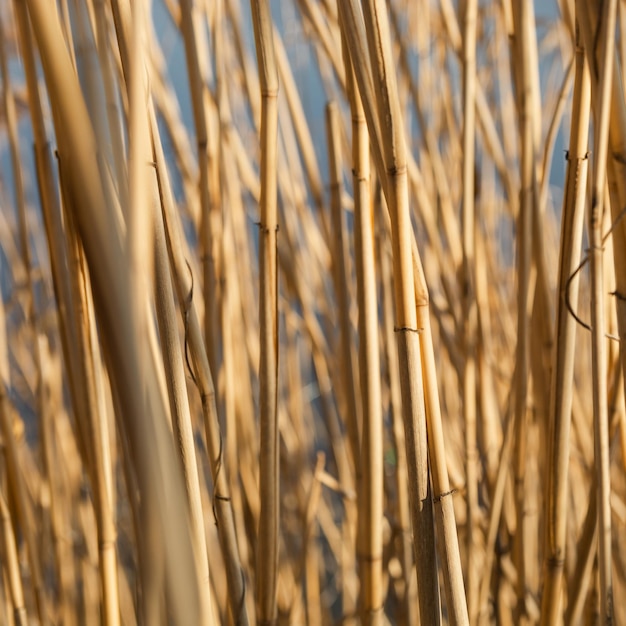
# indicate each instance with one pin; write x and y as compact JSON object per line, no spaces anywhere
{"x":408,"y":615}
{"x":267,"y":554}
{"x":369,"y":539}
{"x":598,"y":353}
{"x":564,"y":351}
{"x":394,"y":152}
{"x":522,"y":30}
{"x":470,"y":9}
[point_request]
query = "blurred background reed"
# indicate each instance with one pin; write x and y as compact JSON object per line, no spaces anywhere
{"x":312,"y":312}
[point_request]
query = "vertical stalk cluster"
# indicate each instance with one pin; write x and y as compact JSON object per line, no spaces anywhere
{"x":159,"y":460}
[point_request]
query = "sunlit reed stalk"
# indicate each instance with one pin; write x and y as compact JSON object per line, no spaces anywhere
{"x":598,"y":353}
{"x":267,"y":551}
{"x":208,"y":184}
{"x":409,"y":600}
{"x":393,"y":148}
{"x":370,"y":488}
{"x":564,"y":351}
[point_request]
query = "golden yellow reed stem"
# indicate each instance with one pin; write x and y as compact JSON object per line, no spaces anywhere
{"x":395,"y":172}
{"x":370,"y":490}
{"x":408,"y":614}
{"x":599,"y":349}
{"x":564,"y":352}
{"x":267,"y":553}
{"x":524,"y":292}
{"x":207,"y":168}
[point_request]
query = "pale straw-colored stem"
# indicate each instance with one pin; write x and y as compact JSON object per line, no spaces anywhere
{"x":564,"y":351}
{"x":267,"y":552}
{"x":369,"y":539}
{"x":395,"y":172}
{"x":599,"y":347}
{"x":522,"y":17}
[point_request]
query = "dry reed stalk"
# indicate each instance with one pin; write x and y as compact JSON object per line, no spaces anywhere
{"x":491,"y":427}
{"x":525,"y":290}
{"x":105,"y":255}
{"x":92,"y":424}
{"x":370,"y":488}
{"x":564,"y":351}
{"x":470,"y":313}
{"x":113,"y":114}
{"x":599,"y":365}
{"x":207,"y":167}
{"x":408,"y":615}
{"x":394,"y":153}
{"x":203,"y":379}
{"x":267,"y":554}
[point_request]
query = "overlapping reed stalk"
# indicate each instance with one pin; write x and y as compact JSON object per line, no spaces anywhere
{"x":105,"y":254}
{"x":203,"y":379}
{"x":572,"y":223}
{"x":370,"y":488}
{"x":598,"y":342}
